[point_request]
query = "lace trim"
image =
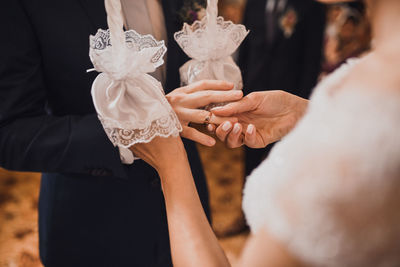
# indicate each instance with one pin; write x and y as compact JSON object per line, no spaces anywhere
{"x":125,"y":136}
{"x":229,"y":35}
{"x":101,"y":41}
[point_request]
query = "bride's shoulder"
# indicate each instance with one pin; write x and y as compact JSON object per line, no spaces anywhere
{"x":310,"y":192}
{"x":364,"y":81}
{"x":375,"y":73}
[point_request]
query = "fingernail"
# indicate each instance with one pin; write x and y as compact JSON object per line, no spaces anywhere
{"x":226,"y":126}
{"x":210,"y":128}
{"x":236,"y":128}
{"x":250,"y":129}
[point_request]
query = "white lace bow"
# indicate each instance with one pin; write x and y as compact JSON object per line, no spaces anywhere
{"x":210,"y":42}
{"x":131,"y":104}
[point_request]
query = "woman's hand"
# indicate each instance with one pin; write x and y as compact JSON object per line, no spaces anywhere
{"x":264,"y":117}
{"x":187,"y":102}
{"x":161,"y":153}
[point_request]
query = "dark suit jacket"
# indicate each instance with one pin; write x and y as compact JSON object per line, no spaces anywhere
{"x":94,"y":211}
{"x":289,"y":63}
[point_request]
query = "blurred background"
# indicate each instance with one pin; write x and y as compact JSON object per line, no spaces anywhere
{"x":285,"y":43}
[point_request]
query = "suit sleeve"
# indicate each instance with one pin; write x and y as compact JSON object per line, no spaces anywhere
{"x":30,"y":138}
{"x":313,"y":45}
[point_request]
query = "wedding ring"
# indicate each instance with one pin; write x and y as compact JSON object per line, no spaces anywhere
{"x":207,"y":119}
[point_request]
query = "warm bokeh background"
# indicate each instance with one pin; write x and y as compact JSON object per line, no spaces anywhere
{"x":347,"y":35}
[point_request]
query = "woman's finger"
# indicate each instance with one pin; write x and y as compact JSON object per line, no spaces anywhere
{"x":223,"y":130}
{"x":219,"y":120}
{"x":196,"y":136}
{"x":207,"y":85}
{"x":201,"y":116}
{"x":204,"y":98}
{"x":243,"y":105}
{"x":211,"y":128}
{"x":235,"y":137}
{"x":250,"y":138}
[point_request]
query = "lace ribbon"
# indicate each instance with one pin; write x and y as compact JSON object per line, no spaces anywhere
{"x":210,"y":42}
{"x":130,"y":104}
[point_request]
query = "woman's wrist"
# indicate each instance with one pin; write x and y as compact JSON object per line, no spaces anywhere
{"x":163,"y":154}
{"x":298,"y":105}
{"x":301,"y":106}
{"x":175,"y":176}
{"x":173,"y":160}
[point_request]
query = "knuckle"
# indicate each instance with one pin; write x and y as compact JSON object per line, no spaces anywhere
{"x":202,"y":83}
{"x":208,"y":95}
{"x":204,"y":113}
{"x":204,"y":95}
{"x":222,"y":83}
{"x":181,"y":90}
{"x":170,"y":97}
{"x":219,"y":135}
{"x":252,"y":96}
{"x":227,"y":95}
{"x":175,"y":98}
{"x":248,"y":97}
{"x":184,"y":132}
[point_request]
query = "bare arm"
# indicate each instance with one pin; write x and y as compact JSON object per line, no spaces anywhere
{"x":263,"y":250}
{"x":193,"y":242}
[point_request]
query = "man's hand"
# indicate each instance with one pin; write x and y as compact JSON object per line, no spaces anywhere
{"x":187,"y":102}
{"x":264,"y":117}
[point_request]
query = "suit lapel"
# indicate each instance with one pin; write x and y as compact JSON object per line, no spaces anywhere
{"x":95,"y":12}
